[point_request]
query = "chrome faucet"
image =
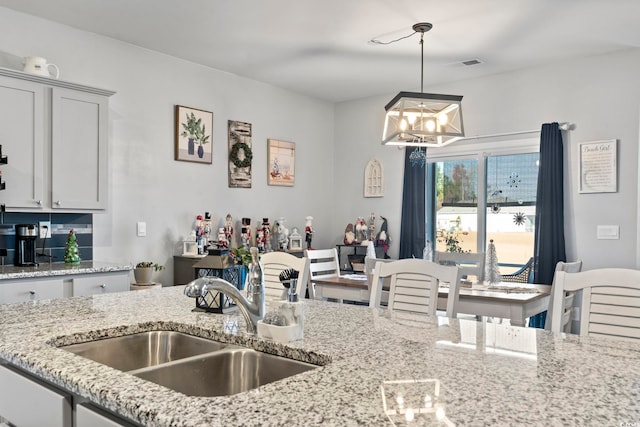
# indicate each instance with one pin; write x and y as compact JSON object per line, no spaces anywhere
{"x":252,"y":308}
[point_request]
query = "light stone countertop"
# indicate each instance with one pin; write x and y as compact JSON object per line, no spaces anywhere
{"x":48,"y":269}
{"x":490,"y":374}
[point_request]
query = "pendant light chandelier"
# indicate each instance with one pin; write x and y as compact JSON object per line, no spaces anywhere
{"x":421,"y":119}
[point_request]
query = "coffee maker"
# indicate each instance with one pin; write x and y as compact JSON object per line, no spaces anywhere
{"x":26,"y":235}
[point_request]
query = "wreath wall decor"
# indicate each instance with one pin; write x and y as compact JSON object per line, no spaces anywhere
{"x":240,"y":154}
{"x":247,"y":154}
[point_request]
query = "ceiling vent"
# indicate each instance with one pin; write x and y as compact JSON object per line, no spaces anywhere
{"x":471,"y":62}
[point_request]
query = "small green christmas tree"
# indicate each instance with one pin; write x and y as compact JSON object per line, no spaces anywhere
{"x":492,"y":270}
{"x":71,"y":252}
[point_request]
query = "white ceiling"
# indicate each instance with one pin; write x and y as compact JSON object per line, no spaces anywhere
{"x":321,"y":48}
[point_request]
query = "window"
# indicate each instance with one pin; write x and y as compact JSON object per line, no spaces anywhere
{"x":472,"y":198}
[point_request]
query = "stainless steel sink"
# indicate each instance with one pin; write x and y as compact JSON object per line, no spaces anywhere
{"x":226,"y":372}
{"x":191,"y":365}
{"x":144,"y":349}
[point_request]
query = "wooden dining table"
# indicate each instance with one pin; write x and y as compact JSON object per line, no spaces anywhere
{"x":507,"y":300}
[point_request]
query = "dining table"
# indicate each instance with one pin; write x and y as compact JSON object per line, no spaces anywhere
{"x":513,"y":301}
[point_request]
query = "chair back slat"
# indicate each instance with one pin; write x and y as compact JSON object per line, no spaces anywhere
{"x":470,"y":263}
{"x":414,"y":285}
{"x":610,"y":301}
{"x":569,"y":267}
{"x":323,"y":263}
{"x":274,"y":263}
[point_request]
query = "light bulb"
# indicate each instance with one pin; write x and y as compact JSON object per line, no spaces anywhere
{"x":431,"y":125}
{"x":409,"y":415}
{"x":403,"y":125}
{"x":443,"y":119}
{"x":440,"y":413}
{"x":400,"y":400}
{"x":411,"y":118}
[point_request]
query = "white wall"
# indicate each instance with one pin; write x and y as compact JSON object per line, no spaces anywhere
{"x":333,"y":143}
{"x":599,"y":94}
{"x":147,"y":184}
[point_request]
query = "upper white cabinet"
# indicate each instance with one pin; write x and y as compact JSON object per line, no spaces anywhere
{"x":22,"y":138}
{"x":55,"y":134}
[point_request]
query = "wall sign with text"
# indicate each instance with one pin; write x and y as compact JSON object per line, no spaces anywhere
{"x":598,"y":167}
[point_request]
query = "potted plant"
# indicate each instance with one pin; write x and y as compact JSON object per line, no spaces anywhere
{"x":195,"y":131}
{"x":144,"y":270}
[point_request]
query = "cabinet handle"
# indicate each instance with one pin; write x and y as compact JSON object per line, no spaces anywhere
{"x":39,"y":202}
{"x":32,"y":292}
{"x":103,"y":286}
{"x":58,"y":203}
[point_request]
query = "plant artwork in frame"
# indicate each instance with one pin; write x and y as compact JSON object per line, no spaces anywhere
{"x":240,"y":154}
{"x":281,"y":162}
{"x":194,"y":130}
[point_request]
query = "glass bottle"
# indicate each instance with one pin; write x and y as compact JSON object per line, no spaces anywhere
{"x":254,"y":275}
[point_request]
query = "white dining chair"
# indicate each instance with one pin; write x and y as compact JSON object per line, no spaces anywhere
{"x":470,"y":263}
{"x":274,"y":263}
{"x":569,"y":267}
{"x":610,"y":302}
{"x":414,"y":286}
{"x":323,"y":263}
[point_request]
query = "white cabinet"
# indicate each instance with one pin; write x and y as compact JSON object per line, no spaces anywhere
{"x":78,"y":150}
{"x":93,"y":284}
{"x":88,"y":415}
{"x":24,"y":290}
{"x":31,"y":289}
{"x":27,"y":402}
{"x":56,"y":136}
{"x":22,"y":139}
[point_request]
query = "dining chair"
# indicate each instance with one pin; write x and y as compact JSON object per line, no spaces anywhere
{"x":414,"y":286}
{"x":274,"y":263}
{"x":610,"y":302}
{"x":470,"y":263}
{"x":369,"y":269}
{"x":523,"y":275}
{"x":323,"y":263}
{"x":568,"y":267}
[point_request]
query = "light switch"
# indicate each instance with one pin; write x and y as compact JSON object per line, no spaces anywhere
{"x":608,"y":232}
{"x":142,"y":229}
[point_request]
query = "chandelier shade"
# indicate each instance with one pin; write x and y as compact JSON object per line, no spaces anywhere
{"x":421,"y":119}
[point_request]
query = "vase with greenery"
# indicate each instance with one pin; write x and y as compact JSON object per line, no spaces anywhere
{"x":195,"y":131}
{"x":143,"y":271}
{"x":242,"y":257}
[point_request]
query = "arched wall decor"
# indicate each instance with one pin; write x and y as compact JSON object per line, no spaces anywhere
{"x":374,"y":179}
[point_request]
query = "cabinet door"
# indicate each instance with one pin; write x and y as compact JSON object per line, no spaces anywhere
{"x":88,"y":415}
{"x":93,"y":284}
{"x":78,"y":150}
{"x":28,"y":402}
{"x":24,"y":290}
{"x":22,"y":140}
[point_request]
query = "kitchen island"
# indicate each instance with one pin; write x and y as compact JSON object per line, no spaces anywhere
{"x":487,"y":373}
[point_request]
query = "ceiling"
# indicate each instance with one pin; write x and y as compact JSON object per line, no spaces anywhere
{"x":321,"y":48}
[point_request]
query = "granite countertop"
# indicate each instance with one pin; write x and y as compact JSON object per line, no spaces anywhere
{"x":47,"y":269}
{"x":489,"y":374}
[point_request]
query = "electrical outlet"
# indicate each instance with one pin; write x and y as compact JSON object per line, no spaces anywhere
{"x":44,"y":229}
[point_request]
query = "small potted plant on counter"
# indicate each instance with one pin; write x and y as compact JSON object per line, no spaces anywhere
{"x":144,"y":270}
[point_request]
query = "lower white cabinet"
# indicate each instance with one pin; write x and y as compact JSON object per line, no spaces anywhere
{"x":32,"y":289}
{"x":101,"y":283}
{"x":27,"y":402}
{"x":24,"y":290}
{"x":88,"y":415}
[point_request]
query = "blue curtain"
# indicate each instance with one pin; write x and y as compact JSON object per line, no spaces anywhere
{"x":549,"y":225}
{"x":412,"y":226}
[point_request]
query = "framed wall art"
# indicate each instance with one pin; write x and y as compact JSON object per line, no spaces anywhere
{"x":194,"y":130}
{"x":240,"y":154}
{"x":598,"y":167}
{"x":281,"y":162}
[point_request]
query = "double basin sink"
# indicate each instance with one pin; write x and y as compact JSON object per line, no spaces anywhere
{"x":188,"y":364}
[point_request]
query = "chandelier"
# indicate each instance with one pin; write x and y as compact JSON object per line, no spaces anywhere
{"x":421,"y":119}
